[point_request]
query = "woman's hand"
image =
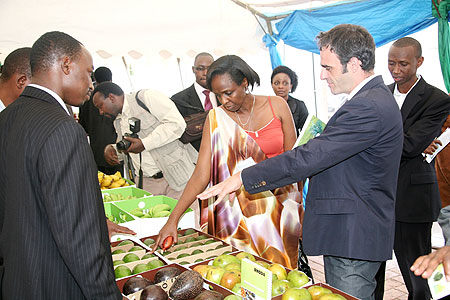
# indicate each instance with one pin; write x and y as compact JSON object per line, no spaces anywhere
{"x":425,"y":265}
{"x":167,"y":237}
{"x":229,"y":186}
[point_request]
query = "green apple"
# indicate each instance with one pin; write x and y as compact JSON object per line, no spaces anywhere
{"x":247,"y":255}
{"x":130,"y":257}
{"x":332,"y":297}
{"x":149,"y":241}
{"x":232,"y":297}
{"x":126,"y":242}
{"x":318,"y":291}
{"x":140,"y":268}
{"x":225,"y":259}
{"x":118,"y":262}
{"x":233,"y":266}
{"x":230,"y":278}
{"x":153,"y":264}
{"x":263,"y":264}
{"x":297,"y":278}
{"x":202,"y":269}
{"x":118,"y":251}
{"x":237,"y":288}
{"x":296,"y":294}
{"x":122,"y":271}
{"x":280,"y":286}
{"x":135,"y":248}
{"x":278,"y":270}
{"x":215,"y":274}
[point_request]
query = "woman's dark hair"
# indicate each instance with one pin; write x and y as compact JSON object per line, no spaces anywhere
{"x":288,"y":72}
{"x":236,"y":67}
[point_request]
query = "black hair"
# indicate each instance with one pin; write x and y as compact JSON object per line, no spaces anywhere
{"x":236,"y":67}
{"x":409,"y":41}
{"x":106,"y":88}
{"x":51,"y":47}
{"x":288,"y":72}
{"x":202,"y":54}
{"x":17,"y":62}
{"x":347,"y":41}
{"x":102,"y":74}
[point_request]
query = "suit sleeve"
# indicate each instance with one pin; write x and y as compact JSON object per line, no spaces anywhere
{"x":420,"y":134}
{"x":74,"y":209}
{"x":356,"y":127}
{"x":172,"y":123}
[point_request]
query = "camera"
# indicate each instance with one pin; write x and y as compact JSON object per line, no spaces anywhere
{"x":135,"y":127}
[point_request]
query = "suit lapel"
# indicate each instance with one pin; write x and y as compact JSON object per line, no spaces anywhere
{"x":39,"y":94}
{"x":413,"y":98}
{"x":194,"y":100}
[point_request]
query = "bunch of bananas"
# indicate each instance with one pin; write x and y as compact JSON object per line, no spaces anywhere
{"x":111,"y":181}
{"x":157,"y":211}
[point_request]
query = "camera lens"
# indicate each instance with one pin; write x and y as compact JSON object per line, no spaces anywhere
{"x":123,"y":145}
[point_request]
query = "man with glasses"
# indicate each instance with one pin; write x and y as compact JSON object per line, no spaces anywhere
{"x":197,"y":98}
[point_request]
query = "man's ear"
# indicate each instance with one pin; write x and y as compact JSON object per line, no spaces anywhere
{"x":420,"y":61}
{"x":66,"y":64}
{"x":22,"y":81}
{"x":354,"y":63}
{"x":112,"y":97}
{"x":193,"y":69}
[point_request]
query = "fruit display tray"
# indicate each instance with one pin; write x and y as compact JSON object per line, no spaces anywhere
{"x":209,"y":262}
{"x":166,"y":285}
{"x":128,"y":191}
{"x":207,"y":247}
{"x":334,"y":290}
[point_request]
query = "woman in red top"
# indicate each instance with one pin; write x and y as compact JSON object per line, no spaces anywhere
{"x":245,"y":130}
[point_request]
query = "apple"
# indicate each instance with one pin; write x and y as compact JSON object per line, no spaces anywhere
{"x":233,"y":266}
{"x":278,"y":270}
{"x":318,"y":291}
{"x":215,"y":274}
{"x":242,"y":255}
{"x":296,"y":294}
{"x":297,"y":278}
{"x":280,"y":286}
{"x":230,"y":278}
{"x":202,"y":269}
{"x":237,"y":288}
{"x":225,"y":259}
{"x":232,"y":297}
{"x":332,"y":297}
{"x":263,"y":264}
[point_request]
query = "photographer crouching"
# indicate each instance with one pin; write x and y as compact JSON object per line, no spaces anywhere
{"x":148,"y":126}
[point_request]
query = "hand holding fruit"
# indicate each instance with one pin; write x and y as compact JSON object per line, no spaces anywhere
{"x":169,"y":230}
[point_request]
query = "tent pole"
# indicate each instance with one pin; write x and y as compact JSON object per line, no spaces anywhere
{"x":314,"y":82}
{"x":179,"y":70}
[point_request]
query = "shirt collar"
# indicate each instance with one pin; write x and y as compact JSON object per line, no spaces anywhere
{"x":53,"y":94}
{"x":397,"y":92}
{"x":360,"y":86}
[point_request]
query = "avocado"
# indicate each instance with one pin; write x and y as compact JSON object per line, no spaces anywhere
{"x":166,"y":273}
{"x":122,"y":271}
{"x":139,"y":268}
{"x":135,"y":284}
{"x":188,"y":285}
{"x":202,"y":237}
{"x":149,"y":241}
{"x":147,"y":255}
{"x":126,"y":242}
{"x":189,"y":231}
{"x":197,"y":251}
{"x":190,"y":239}
{"x":130,"y":257}
{"x":135,"y":248}
{"x":118,"y":251}
{"x":153,"y":264}
{"x":209,"y":295}
{"x":118,"y":262}
{"x":182,"y":255}
{"x":153,"y":292}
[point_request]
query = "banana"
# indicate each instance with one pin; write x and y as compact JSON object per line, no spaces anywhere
{"x":160,"y":214}
{"x":115,"y":178}
{"x":160,"y":207}
{"x":121,"y":182}
{"x":107,"y":180}
{"x":100,"y":177}
{"x":114,"y":185}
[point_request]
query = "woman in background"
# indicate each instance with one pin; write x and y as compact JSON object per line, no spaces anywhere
{"x":285,"y":81}
{"x":245,"y":130}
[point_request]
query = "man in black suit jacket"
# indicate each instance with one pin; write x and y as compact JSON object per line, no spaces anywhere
{"x":53,"y":235}
{"x":194,"y":99}
{"x":352,"y":166}
{"x":424,"y":109}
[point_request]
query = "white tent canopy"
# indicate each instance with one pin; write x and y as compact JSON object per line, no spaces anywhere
{"x":159,"y":39}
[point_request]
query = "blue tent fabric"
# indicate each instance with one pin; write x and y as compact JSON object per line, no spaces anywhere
{"x":385,"y":20}
{"x":271,"y":43}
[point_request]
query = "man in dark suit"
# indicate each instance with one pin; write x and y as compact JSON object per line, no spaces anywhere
{"x":53,"y":233}
{"x":196,"y":98}
{"x":424,"y":109}
{"x":352,"y":166}
{"x":99,"y":128}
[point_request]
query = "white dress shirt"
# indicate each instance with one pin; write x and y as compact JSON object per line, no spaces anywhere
{"x":399,"y":97}
{"x":199,"y":89}
{"x":53,"y":94}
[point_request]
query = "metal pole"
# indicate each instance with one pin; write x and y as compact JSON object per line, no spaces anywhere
{"x":314,"y":82}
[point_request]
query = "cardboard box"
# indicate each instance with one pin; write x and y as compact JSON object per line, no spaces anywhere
{"x":334,"y":290}
{"x":208,"y":247}
{"x":125,"y":192}
{"x":149,"y":226}
{"x":166,"y":285}
{"x":116,"y":214}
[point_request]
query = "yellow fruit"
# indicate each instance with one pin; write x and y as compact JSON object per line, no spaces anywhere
{"x":118,"y":174}
{"x":106,"y":180}
{"x":100,"y":177}
{"x":114,"y":185}
{"x":121,"y":182}
{"x":115,"y":178}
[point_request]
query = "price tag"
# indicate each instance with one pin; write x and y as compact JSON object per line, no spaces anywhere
{"x":256,"y":281}
{"x":439,"y":286}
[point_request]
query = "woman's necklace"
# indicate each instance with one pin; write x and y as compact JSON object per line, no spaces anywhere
{"x":249,"y":117}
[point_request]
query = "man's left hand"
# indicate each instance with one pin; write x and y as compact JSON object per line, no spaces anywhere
{"x":113,"y":228}
{"x":136,"y":145}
